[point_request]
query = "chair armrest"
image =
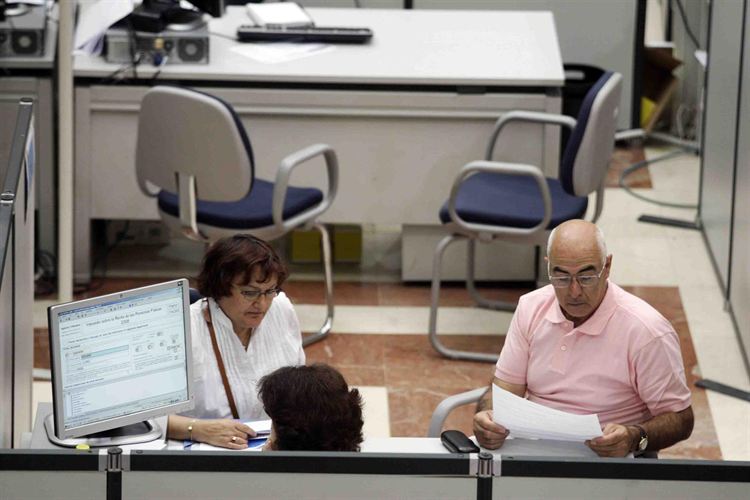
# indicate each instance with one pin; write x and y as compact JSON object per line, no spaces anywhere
{"x":286,"y":166}
{"x":501,"y":168}
{"x":526,"y":116}
{"x":150,"y":190}
{"x":443,"y":409}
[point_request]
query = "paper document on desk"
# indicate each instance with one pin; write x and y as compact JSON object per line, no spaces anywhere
{"x":279,"y":52}
{"x":261,"y":427}
{"x":252,"y":445}
{"x":526,"y":419}
{"x":279,"y":14}
{"x":94,"y":18}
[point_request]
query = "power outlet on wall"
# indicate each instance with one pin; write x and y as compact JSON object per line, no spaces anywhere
{"x":137,"y":232}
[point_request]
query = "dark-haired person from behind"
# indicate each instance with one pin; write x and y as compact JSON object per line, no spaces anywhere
{"x":312,"y":409}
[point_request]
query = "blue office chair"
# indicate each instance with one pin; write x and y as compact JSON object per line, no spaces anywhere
{"x":193,"y":154}
{"x":492,"y":200}
{"x":195,"y":295}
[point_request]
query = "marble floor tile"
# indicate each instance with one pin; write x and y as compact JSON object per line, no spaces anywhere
{"x":691,"y":264}
{"x":394,"y":320}
{"x":678,"y":175}
{"x":732,"y":417}
{"x":344,"y":293}
{"x":704,"y":307}
{"x":622,"y":158}
{"x":720,"y":359}
{"x":394,"y":294}
{"x":41,"y":348}
{"x":620,"y":203}
{"x":375,"y":411}
{"x":451,"y":294}
{"x":40,"y":312}
{"x":641,"y":263}
{"x":619,"y":218}
{"x":412,"y":408}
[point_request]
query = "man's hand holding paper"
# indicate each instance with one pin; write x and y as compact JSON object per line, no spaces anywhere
{"x":615,"y":441}
{"x":489,"y":433}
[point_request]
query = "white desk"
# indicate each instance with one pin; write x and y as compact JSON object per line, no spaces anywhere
{"x":524,"y":447}
{"x":404,"y":113}
{"x":427,"y":445}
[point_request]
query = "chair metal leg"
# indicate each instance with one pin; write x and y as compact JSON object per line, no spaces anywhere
{"x":497,"y":305}
{"x":437,"y":263}
{"x":325,"y":245}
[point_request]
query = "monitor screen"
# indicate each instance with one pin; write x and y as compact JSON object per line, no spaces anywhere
{"x":120,"y":359}
{"x":213,"y":7}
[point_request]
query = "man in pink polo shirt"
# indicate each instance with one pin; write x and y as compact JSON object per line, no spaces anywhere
{"x":584,"y":345}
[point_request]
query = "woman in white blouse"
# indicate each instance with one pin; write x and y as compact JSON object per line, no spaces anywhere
{"x":244,"y":329}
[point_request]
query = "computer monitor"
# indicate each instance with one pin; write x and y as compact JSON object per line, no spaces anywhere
{"x":118,"y":360}
{"x":157,"y":15}
{"x":214,"y":8}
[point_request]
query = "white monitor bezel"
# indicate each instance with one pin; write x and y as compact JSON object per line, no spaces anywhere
{"x":53,"y":313}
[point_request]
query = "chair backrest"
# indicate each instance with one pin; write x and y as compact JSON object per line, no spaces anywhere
{"x":195,"y":295}
{"x":190,"y":132}
{"x":592,"y":141}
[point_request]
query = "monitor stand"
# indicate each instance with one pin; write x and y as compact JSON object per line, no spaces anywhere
{"x":142,"y":432}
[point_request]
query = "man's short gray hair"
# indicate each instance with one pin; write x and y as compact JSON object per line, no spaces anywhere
{"x":599,"y":242}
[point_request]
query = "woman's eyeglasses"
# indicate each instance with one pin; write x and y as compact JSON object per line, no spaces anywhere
{"x":253,"y":295}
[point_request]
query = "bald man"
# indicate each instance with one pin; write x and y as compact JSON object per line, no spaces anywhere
{"x":584,"y":345}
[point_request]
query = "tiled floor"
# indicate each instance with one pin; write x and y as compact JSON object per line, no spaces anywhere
{"x":380,"y":344}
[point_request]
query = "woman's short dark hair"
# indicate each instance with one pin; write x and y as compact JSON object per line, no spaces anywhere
{"x":238,"y":256}
{"x":312,"y":409}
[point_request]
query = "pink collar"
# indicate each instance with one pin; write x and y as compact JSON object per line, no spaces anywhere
{"x":596,"y":323}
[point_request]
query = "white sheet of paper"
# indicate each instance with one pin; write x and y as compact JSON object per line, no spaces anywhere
{"x":526,"y":419}
{"x":208,"y":447}
{"x":27,"y":2}
{"x":262,"y":427}
{"x":278,"y":52}
{"x":281,"y":14}
{"x":94,"y":19}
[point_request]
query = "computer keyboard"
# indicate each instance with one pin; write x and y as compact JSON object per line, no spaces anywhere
{"x":248,"y":33}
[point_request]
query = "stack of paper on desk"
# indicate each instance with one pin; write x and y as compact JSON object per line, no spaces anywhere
{"x":261,"y":427}
{"x":289,"y":14}
{"x":526,"y":419}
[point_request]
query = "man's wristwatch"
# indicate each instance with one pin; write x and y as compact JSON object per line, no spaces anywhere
{"x":642,"y":443}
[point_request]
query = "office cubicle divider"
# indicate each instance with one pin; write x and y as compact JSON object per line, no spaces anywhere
{"x":59,"y":474}
{"x":725,"y":165}
{"x":302,"y":474}
{"x":17,"y":279}
{"x":545,"y":477}
{"x":114,"y":474}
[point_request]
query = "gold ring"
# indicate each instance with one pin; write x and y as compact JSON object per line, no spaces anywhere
{"x":234,"y":438}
